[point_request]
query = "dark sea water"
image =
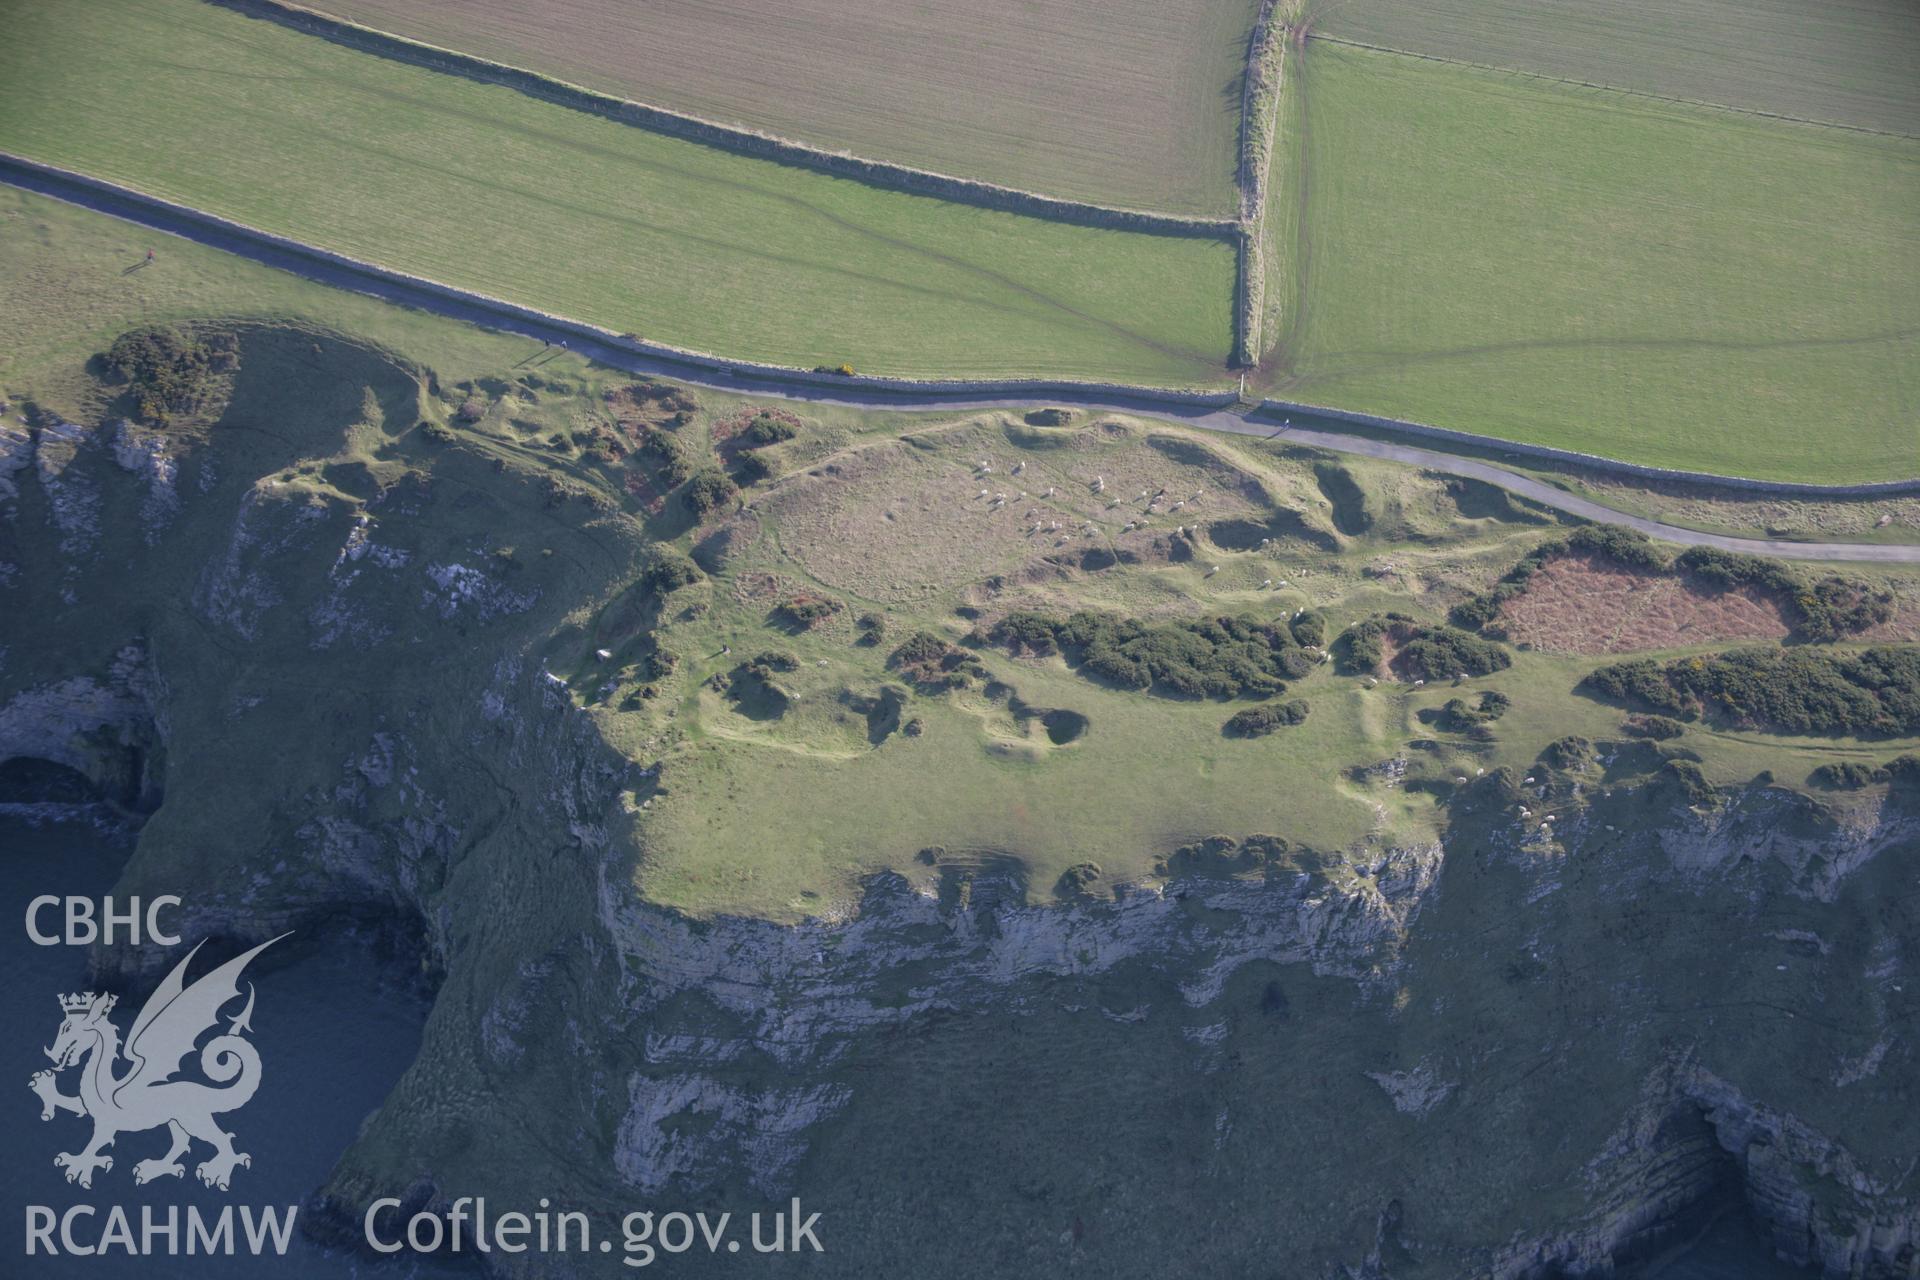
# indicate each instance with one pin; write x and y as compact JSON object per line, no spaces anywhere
{"x":334,"y":1033}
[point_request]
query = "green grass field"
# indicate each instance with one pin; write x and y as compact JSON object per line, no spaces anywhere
{"x":1850,"y":63}
{"x":1666,"y":284}
{"x":1127,"y":102}
{"x":482,"y":187}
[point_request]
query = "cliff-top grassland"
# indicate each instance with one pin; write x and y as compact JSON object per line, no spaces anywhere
{"x":784,"y":800}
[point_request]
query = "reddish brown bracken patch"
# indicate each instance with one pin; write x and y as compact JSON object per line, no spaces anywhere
{"x":1575,"y":604}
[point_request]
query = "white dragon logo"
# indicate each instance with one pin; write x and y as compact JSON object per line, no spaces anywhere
{"x":146,"y":1096}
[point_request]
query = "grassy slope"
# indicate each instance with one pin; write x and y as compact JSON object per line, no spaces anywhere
{"x":485,"y":188}
{"x":1129,"y":102}
{"x":1666,"y":284}
{"x":66,"y":291}
{"x":760,"y":816}
{"x":1848,"y":63}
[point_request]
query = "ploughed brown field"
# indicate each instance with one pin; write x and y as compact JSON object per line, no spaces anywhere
{"x":1123,"y":102}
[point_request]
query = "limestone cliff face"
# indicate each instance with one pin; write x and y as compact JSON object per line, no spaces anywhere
{"x":1510,"y":1053}
{"x":1694,"y":1139}
{"x":807,"y":996}
{"x":109,"y":729}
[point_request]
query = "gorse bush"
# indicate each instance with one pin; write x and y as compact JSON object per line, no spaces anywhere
{"x":1654,"y":728}
{"x":1874,"y":692}
{"x":1460,"y":716}
{"x":1257,"y":722}
{"x":709,"y":489}
{"x":668,"y":571}
{"x":1421,"y":652}
{"x":1362,"y":647}
{"x":750,"y":469}
{"x":1222,"y":657}
{"x":765,"y":430}
{"x":806,"y":611}
{"x":670,"y":453}
{"x":1569,"y":754}
{"x":1309,"y":630}
{"x":1846,"y":775}
{"x":171,"y":373}
{"x":1440,"y":653}
{"x":933,"y":664}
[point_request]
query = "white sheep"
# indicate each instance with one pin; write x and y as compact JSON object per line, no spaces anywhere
{"x":1265,"y":583}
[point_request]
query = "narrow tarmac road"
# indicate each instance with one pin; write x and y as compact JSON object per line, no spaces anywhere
{"x":1298,"y":428}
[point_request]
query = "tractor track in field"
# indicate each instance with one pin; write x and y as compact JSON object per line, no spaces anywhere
{"x":1327,"y":430}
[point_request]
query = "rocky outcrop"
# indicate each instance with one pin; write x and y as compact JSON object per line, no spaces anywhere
{"x":1696,"y":1143}
{"x":110,"y":729}
{"x":1821,"y":846}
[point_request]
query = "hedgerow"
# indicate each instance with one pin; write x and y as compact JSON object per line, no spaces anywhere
{"x":1223,"y":657}
{"x":1870,"y":693}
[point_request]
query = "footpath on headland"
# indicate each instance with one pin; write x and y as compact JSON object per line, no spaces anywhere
{"x":1221,"y":411}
